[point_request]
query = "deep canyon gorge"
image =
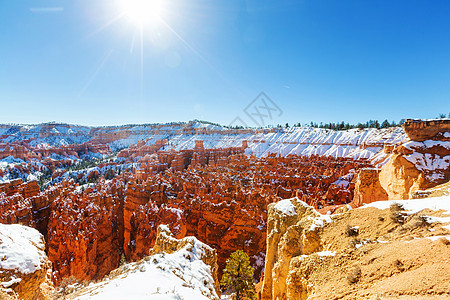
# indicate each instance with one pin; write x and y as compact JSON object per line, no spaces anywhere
{"x":98,"y":195}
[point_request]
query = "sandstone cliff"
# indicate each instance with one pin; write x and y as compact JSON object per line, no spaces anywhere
{"x":85,"y":230}
{"x":381,"y":251}
{"x":368,"y":188}
{"x":416,"y":164}
{"x":422,"y":130}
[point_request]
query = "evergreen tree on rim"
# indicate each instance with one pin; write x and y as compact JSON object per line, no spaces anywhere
{"x":238,"y":276}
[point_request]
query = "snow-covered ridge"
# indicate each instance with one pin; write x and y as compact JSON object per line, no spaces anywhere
{"x":354,"y":143}
{"x":181,"y":274}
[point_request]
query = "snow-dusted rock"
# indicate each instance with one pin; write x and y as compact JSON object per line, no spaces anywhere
{"x":23,"y":263}
{"x":176,"y":269}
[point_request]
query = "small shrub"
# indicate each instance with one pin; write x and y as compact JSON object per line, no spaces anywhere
{"x":123,"y":260}
{"x":399,"y":265}
{"x":352,"y":244}
{"x":417,"y":222}
{"x":67,"y":285}
{"x":396,"y":213}
{"x":354,"y":275}
{"x":351,"y":231}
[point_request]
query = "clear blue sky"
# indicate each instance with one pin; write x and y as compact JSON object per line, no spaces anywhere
{"x":74,"y":61}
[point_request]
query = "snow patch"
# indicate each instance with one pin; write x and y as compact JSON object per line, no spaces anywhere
{"x":179,"y":275}
{"x":319,"y":221}
{"x":326,"y":253}
{"x":415,"y":205}
{"x":21,"y":248}
{"x":286,"y":207}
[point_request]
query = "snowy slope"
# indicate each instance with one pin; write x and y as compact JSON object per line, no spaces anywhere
{"x":354,"y":143}
{"x":433,"y":166}
{"x":180,"y":275}
{"x":413,"y":206}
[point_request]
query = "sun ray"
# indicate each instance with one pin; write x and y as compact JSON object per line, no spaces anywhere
{"x":133,"y":41}
{"x":106,"y":25}
{"x":94,"y":75}
{"x":202,"y":57}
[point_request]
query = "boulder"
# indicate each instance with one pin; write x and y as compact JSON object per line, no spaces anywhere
{"x":24,"y":266}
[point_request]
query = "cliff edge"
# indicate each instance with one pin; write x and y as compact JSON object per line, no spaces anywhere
{"x":384,"y":250}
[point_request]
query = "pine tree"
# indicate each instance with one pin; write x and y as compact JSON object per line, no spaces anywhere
{"x":385,"y":124}
{"x":238,"y":276}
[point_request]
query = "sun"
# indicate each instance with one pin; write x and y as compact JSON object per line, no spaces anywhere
{"x":142,"y":12}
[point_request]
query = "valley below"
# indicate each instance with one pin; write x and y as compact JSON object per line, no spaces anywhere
{"x":322,"y":214}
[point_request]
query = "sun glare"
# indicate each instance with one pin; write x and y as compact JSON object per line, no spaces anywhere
{"x":142,"y":12}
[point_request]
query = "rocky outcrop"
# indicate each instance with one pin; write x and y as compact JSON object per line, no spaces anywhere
{"x":24,"y":266}
{"x":175,"y":269}
{"x":422,"y":130}
{"x":364,"y":253}
{"x":368,"y":188}
{"x":291,"y":231}
{"x":22,"y":203}
{"x":167,"y":243}
{"x":144,"y":210}
{"x":84,"y":229}
{"x":422,"y":163}
{"x":416,"y":166}
{"x":400,"y":177}
{"x":141,"y":149}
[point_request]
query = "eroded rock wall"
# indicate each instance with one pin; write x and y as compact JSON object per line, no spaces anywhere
{"x":365,"y":253}
{"x":368,"y":188}
{"x":222,"y":200}
{"x":219,"y":196}
{"x":422,"y":130}
{"x":85,"y":230}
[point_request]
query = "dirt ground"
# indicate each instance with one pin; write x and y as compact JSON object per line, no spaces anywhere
{"x":387,"y":255}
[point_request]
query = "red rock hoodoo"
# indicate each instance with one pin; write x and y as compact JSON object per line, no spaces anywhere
{"x":218,"y":195}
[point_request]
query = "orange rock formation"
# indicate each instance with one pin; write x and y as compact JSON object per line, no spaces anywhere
{"x":220,"y":196}
{"x":421,"y":130}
